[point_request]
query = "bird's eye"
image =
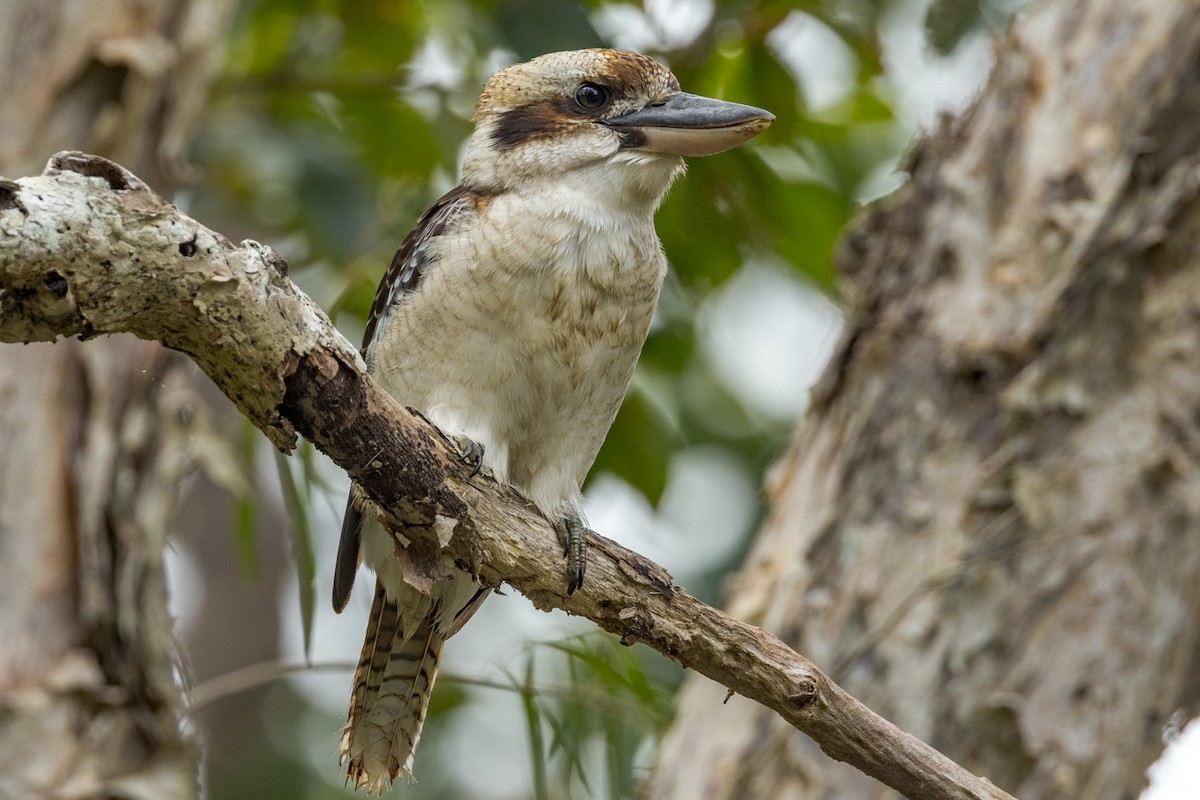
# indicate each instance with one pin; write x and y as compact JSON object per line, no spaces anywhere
{"x":591,"y":97}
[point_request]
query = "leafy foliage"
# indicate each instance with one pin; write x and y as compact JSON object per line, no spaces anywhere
{"x":610,"y":702}
{"x":296,"y":477}
{"x":337,"y":122}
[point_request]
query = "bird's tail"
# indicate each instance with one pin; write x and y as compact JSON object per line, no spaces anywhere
{"x":392,"y":685}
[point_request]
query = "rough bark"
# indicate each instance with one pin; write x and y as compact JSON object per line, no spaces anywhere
{"x":88,"y":701}
{"x":986,"y":527}
{"x":125,"y":78}
{"x":89,"y":249}
{"x":94,"y":434}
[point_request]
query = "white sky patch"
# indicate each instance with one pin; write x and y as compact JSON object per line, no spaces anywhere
{"x":768,"y":336}
{"x":433,"y":71}
{"x":881,"y":181}
{"x":617,"y":510}
{"x":497,"y":59}
{"x":926,"y":84}
{"x":186,"y":584}
{"x":679,"y":22}
{"x":800,"y":163}
{"x":435,"y":66}
{"x":704,"y":513}
{"x":708,"y":506}
{"x":1176,"y":775}
{"x":625,"y":26}
{"x":661,"y":25}
{"x":817,"y":57}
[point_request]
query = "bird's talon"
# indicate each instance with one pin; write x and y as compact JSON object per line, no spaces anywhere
{"x":575,"y":581}
{"x":471,"y":454}
{"x":574,"y":550}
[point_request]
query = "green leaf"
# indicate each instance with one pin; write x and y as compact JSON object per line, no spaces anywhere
{"x":639,"y":445}
{"x":338,"y":202}
{"x":245,"y":531}
{"x":297,"y":498}
{"x":245,"y":537}
{"x":396,"y":141}
{"x":533,"y":27}
{"x":947,"y":22}
{"x":619,"y":752}
{"x":537,"y":745}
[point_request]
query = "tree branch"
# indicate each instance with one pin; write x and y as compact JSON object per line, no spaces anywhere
{"x":88,"y":249}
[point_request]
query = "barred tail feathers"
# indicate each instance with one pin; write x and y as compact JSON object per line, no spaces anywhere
{"x":392,"y":685}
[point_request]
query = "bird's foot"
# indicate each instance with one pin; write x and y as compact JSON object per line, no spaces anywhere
{"x":574,"y":539}
{"x":470,"y":452}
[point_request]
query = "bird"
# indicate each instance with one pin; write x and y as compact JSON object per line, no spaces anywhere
{"x":512,"y":317}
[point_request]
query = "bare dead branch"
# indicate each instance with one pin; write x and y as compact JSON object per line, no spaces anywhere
{"x":88,"y":249}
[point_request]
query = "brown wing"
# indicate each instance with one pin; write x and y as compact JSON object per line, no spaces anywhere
{"x":348,"y":556}
{"x":414,"y":257}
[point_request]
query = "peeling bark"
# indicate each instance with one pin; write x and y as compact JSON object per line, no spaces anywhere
{"x":986,"y":527}
{"x":96,"y":436}
{"x":88,"y":702}
{"x":125,"y":78}
{"x":88,"y":249}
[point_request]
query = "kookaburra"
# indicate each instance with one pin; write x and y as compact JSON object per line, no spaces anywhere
{"x":512,"y":318}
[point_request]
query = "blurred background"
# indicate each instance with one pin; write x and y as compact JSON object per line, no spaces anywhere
{"x":331,"y":126}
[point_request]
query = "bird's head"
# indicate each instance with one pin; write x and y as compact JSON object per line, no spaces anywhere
{"x":614,"y":120}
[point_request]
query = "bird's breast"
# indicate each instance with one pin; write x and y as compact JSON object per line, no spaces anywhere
{"x":524,"y":336}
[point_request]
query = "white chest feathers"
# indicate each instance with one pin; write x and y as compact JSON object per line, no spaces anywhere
{"x":525,"y":331}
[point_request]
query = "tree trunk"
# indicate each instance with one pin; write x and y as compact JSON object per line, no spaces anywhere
{"x":94,"y":450}
{"x":94,"y":433}
{"x":986,"y":527}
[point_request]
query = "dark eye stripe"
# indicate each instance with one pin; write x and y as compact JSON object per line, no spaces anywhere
{"x":535,"y":121}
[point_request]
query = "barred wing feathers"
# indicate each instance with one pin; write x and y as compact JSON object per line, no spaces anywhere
{"x":403,"y":276}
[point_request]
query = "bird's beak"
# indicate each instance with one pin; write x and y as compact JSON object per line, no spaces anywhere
{"x":689,"y":125}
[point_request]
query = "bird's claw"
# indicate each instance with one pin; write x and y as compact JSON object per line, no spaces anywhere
{"x":470,"y":452}
{"x":574,"y":549}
